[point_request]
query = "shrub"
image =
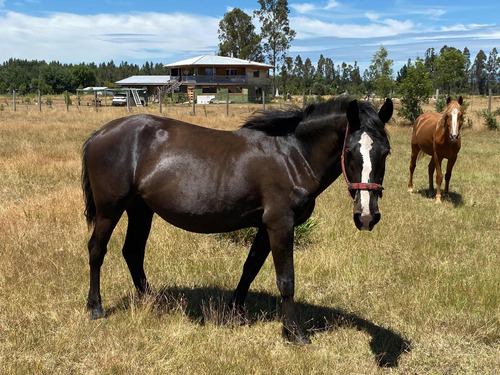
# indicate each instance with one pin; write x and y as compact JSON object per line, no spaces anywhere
{"x":490,"y":120}
{"x":415,"y":89}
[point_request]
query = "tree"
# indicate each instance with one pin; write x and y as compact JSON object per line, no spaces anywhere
{"x":479,"y":76}
{"x":492,"y":70}
{"x":308,"y":74}
{"x":415,"y":88}
{"x":381,"y":73}
{"x":84,"y":76}
{"x":285,"y":76}
{"x":449,"y":69}
{"x":329,"y":71}
{"x":238,"y":38}
{"x":467,"y":78}
{"x":403,"y":72}
{"x":298,"y":72}
{"x":58,"y":77}
{"x":275,"y":31}
{"x":430,"y":57}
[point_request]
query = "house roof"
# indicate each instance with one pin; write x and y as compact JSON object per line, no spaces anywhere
{"x":94,"y":88}
{"x":212,"y":60}
{"x":145,"y":80}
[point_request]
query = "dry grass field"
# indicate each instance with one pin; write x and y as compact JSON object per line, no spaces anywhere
{"x":418,"y":295}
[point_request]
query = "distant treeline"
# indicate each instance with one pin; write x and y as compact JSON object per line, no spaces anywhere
{"x":450,"y":70}
{"x":55,"y":77}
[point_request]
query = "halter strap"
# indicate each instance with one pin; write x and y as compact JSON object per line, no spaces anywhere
{"x":356,"y":185}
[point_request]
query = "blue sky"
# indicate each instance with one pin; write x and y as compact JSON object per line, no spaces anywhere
{"x":168,"y":31}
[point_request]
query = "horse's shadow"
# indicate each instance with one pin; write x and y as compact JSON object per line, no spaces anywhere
{"x":454,"y":198}
{"x":210,"y":304}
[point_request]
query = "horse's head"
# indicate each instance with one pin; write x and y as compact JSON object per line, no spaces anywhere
{"x":366,"y":148}
{"x":452,"y":118}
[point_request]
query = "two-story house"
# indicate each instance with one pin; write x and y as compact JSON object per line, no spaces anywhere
{"x":213,"y":77}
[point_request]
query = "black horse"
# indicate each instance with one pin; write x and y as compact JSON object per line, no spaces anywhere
{"x":267,"y":174}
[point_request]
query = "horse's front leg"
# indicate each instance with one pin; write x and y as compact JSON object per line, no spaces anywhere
{"x":281,"y":240}
{"x":413,"y":163}
{"x":447,"y":176}
{"x":439,"y":176}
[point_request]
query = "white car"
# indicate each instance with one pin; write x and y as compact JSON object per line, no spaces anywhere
{"x":119,"y":100}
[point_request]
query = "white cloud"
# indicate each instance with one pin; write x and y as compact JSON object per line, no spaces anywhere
{"x":308,"y":27}
{"x":303,"y":8}
{"x":454,"y":28}
{"x":332,"y":4}
{"x":372,"y":16}
{"x":76,"y":38}
{"x":429,"y":12}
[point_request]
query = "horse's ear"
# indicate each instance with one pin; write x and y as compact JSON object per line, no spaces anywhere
{"x":385,"y":112}
{"x":353,"y":116}
{"x":448,"y":100}
{"x":460,"y":100}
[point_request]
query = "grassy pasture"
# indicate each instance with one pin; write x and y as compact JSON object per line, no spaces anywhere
{"x":418,"y":295}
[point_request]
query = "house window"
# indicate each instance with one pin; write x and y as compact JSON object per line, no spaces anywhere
{"x":231,"y":71}
{"x":235,"y":90}
{"x":209,"y":71}
{"x":209,"y":90}
{"x":256,"y":73}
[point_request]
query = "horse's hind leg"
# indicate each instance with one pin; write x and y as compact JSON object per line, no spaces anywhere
{"x":258,"y":253}
{"x":97,"y":245}
{"x":139,"y":225}
{"x":413,"y":163}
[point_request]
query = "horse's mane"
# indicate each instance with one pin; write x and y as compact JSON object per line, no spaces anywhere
{"x":285,"y":121}
{"x":275,"y":122}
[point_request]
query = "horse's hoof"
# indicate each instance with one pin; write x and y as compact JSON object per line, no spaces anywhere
{"x":97,"y":313}
{"x":238,"y":313}
{"x":410,"y":190}
{"x":438,"y":200}
{"x":295,"y":338}
{"x":301,"y":340}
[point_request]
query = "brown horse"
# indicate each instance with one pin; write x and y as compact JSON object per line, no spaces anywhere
{"x":438,"y":135}
{"x":267,"y":174}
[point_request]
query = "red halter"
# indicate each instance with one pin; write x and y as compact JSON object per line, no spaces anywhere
{"x":356,"y":185}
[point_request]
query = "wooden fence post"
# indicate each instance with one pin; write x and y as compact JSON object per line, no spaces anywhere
{"x":39,"y":100}
{"x":95,"y":100}
{"x":160,"y":97}
{"x":489,"y":102}
{"x":227,"y":102}
{"x":264,"y":100}
{"x":67,"y":101}
{"x":194,"y":103}
{"x":128,"y":101}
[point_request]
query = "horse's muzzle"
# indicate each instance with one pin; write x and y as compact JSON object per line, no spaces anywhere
{"x":454,"y":137}
{"x":366,"y":222}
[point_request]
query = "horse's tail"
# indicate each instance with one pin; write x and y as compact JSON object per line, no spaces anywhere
{"x":420,"y":155}
{"x":88,"y":196}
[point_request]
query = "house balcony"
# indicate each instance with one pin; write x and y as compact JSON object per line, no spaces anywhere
{"x":199,"y":79}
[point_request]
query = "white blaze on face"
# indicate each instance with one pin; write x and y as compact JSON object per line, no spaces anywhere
{"x":366,"y":145}
{"x":454,"y":122}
